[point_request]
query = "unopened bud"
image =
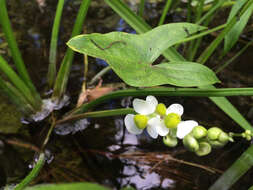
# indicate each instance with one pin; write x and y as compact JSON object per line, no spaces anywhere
{"x":170,"y":141}
{"x":191,"y":143}
{"x":199,"y":132}
{"x":204,"y":149}
{"x":213,"y":133}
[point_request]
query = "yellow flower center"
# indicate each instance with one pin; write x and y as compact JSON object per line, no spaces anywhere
{"x":140,"y":121}
{"x":161,"y":109}
{"x":172,"y":120}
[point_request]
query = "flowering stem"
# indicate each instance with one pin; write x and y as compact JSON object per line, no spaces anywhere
{"x":105,"y":113}
{"x":163,"y":91}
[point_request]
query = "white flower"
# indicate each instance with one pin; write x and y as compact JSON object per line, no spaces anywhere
{"x":185,"y":127}
{"x":155,"y":125}
{"x":161,"y":128}
{"x":143,"y":107}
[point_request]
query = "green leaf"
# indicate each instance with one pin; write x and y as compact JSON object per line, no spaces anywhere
{"x":237,"y":170}
{"x":233,"y":35}
{"x":131,"y":56}
{"x":70,"y":186}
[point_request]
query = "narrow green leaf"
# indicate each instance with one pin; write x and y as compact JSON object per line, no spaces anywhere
{"x":19,"y":84}
{"x":212,"y":47}
{"x":141,"y":8}
{"x":237,"y":170}
{"x":233,"y":35}
{"x":224,"y":65}
{"x":35,"y":171}
{"x":53,"y":44}
{"x":16,"y":97}
{"x":16,"y":55}
{"x":62,"y":76}
{"x":68,"y":186}
{"x":164,"y":13}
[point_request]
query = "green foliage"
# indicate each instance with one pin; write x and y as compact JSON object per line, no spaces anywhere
{"x":131,"y":56}
{"x":171,"y":54}
{"x":53,"y":44}
{"x":70,"y":186}
{"x":239,"y":168}
{"x":233,"y":35}
{"x":63,"y":74}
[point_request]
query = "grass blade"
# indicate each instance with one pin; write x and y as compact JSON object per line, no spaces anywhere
{"x":230,"y":24}
{"x":35,"y":171}
{"x":16,"y":97}
{"x":16,"y":55}
{"x":62,"y":77}
{"x":233,"y":35}
{"x":53,"y":44}
{"x":19,"y":84}
{"x":238,"y":169}
{"x":165,"y":11}
{"x":171,"y":54}
{"x":220,"y":68}
{"x":141,"y":8}
{"x":211,"y":11}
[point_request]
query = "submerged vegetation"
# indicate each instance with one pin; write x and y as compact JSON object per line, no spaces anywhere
{"x":168,"y":59}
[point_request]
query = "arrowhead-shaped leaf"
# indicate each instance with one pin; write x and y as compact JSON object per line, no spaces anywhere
{"x":131,"y":56}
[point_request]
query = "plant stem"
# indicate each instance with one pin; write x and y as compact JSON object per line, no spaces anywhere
{"x":105,"y":113}
{"x":99,"y":75}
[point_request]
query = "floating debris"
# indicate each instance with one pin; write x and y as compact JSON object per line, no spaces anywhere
{"x":71,"y":128}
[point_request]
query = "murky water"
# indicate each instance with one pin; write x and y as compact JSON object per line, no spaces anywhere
{"x":101,"y":150}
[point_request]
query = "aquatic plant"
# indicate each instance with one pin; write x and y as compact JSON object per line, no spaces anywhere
{"x":132,"y":57}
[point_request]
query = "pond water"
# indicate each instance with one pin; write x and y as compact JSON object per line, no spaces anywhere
{"x":101,"y":150}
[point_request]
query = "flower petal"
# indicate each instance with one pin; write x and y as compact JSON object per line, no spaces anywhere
{"x":152,"y":100}
{"x":175,"y":108}
{"x":159,"y":126}
{"x":162,"y":130}
{"x":152,"y":131}
{"x":130,"y":125}
{"x":185,"y":127}
{"x":143,"y":107}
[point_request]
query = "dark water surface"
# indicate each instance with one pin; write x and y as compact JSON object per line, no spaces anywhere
{"x":101,"y":150}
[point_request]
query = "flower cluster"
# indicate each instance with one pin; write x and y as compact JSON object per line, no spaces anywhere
{"x":166,"y":122}
{"x":156,"y":118}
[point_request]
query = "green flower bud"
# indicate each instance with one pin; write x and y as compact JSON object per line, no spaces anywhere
{"x":140,"y":121}
{"x":161,"y":109}
{"x":191,"y":143}
{"x":204,"y":149}
{"x":170,"y":141}
{"x":172,"y":120}
{"x":248,"y":132}
{"x":248,"y":137}
{"x":199,"y":132}
{"x":213,"y":133}
{"x":216,"y":144}
{"x":223,"y":137}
